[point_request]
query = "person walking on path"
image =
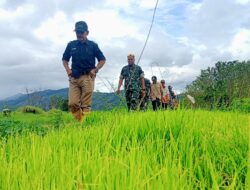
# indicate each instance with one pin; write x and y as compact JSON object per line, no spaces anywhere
{"x":164,"y":96}
{"x":173,"y":102}
{"x":134,"y":83}
{"x":83,"y":70}
{"x":156,"y":92}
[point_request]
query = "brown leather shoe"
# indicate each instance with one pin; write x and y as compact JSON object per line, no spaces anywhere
{"x":78,"y":115}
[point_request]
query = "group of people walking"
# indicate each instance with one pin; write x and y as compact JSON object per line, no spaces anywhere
{"x":83,"y":70}
{"x":139,"y":90}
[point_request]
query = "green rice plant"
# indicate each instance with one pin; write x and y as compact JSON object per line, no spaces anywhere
{"x":10,"y":127}
{"x":56,"y":118}
{"x":182,"y":149}
{"x":242,"y":105}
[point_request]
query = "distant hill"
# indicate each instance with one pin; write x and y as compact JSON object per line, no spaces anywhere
{"x":13,"y":97}
{"x":100,"y":100}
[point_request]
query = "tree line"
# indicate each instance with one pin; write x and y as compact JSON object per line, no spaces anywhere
{"x":223,"y":86}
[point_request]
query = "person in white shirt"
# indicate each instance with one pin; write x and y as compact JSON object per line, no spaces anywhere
{"x":156,"y":92}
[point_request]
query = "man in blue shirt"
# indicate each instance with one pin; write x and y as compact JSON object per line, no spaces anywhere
{"x":83,"y":70}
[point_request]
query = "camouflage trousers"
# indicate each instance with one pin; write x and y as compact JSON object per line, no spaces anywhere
{"x":132,"y":99}
{"x":144,"y":103}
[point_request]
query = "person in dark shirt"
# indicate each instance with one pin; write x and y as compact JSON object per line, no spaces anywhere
{"x":134,"y":83}
{"x":83,"y":54}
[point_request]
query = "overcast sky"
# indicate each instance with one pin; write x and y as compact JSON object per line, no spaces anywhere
{"x":187,"y":36}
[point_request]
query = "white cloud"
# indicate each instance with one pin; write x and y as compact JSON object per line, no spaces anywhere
{"x":216,"y":22}
{"x":196,"y":7}
{"x":187,"y":36}
{"x":243,"y":2}
{"x":121,"y":4}
{"x":11,"y":15}
{"x":55,"y":30}
{"x":106,"y":25}
{"x":240,"y":45}
{"x":147,"y":4}
{"x":118,"y":3}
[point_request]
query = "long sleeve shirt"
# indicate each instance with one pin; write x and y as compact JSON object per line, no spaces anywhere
{"x":156,"y":91}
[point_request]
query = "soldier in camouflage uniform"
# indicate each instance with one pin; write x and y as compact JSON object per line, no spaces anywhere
{"x":134,"y":83}
{"x":144,"y":101}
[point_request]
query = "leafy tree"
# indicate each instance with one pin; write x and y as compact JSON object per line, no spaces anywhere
{"x":58,"y":102}
{"x":219,"y":86}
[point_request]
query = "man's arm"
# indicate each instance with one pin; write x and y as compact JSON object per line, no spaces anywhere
{"x":151,"y":92}
{"x":99,"y":65}
{"x":66,"y":58}
{"x":143,"y":83}
{"x":97,"y":68}
{"x":143,"y":89}
{"x":66,"y":66}
{"x":101,"y":60}
{"x":119,"y":86}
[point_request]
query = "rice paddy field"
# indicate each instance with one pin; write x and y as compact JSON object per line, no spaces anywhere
{"x":182,"y":149}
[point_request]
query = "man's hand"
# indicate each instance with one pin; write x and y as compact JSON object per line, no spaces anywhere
{"x":92,"y":73}
{"x":143,"y":93}
{"x":69,"y":71}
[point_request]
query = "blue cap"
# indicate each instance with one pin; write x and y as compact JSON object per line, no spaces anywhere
{"x":81,"y":26}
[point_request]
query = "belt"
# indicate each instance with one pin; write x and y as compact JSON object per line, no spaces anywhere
{"x":85,"y":72}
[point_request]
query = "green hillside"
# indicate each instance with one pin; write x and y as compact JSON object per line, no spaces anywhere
{"x":183,"y":149}
{"x":100,"y":100}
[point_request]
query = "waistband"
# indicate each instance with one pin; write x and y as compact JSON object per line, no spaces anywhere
{"x":84,"y":72}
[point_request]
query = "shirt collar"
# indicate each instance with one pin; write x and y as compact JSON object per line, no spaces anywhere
{"x":85,"y":42}
{"x":131,"y":65}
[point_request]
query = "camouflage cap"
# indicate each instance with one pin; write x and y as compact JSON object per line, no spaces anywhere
{"x":81,"y":26}
{"x":162,"y":81}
